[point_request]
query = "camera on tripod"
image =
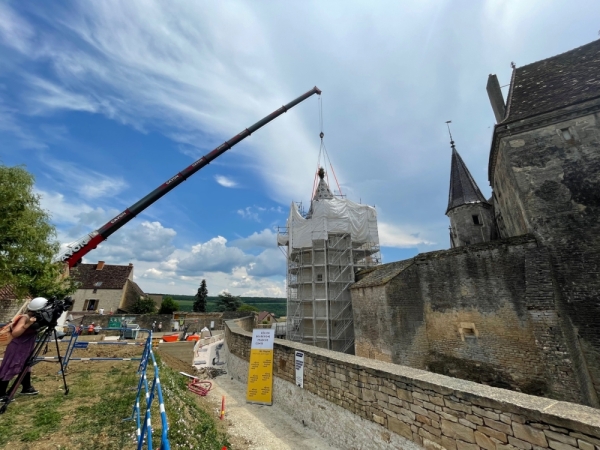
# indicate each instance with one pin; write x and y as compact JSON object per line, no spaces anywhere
{"x":48,"y":316}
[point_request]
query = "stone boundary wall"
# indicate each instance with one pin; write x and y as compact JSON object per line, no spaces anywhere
{"x":431,"y":410}
{"x":8,"y":309}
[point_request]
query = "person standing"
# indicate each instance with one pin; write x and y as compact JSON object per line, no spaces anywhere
{"x":18,"y":350}
{"x":123,"y":328}
{"x":91,"y":328}
{"x":154,"y":326}
{"x":159,"y":326}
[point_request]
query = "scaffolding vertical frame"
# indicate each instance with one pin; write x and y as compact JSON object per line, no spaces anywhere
{"x":318,"y":281}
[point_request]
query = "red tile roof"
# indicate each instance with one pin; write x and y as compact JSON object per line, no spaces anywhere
{"x":110,"y":277}
{"x":8,"y":293}
{"x":263,"y":315}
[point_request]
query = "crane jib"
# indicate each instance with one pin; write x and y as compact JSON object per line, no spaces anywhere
{"x":74,"y":255}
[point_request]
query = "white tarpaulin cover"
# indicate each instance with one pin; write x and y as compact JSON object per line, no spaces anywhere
{"x":331,"y":216}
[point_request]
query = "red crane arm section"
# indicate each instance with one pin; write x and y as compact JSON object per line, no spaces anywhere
{"x":77,"y":250}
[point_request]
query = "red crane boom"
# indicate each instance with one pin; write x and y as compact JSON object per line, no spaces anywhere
{"x":78,"y":249}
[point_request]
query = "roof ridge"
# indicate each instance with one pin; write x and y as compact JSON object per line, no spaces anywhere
{"x":595,"y":41}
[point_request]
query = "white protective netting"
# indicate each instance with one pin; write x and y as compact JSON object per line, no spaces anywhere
{"x":331,"y":216}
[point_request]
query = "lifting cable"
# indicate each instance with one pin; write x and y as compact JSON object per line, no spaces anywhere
{"x":323,"y":152}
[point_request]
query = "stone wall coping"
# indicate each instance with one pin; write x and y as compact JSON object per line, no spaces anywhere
{"x":525,"y":239}
{"x":563,"y":414}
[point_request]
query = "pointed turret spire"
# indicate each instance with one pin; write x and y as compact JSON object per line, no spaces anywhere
{"x":463,"y":189}
{"x":322,"y":192}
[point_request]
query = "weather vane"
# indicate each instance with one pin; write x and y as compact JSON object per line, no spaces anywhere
{"x":448,"y":122}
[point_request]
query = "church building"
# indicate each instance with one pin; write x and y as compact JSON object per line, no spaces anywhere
{"x":515,"y":301}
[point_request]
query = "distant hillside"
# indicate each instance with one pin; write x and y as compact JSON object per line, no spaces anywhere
{"x":277,"y":306}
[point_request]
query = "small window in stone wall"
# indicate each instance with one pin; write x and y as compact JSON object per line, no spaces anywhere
{"x":569,"y":135}
{"x":319,"y":277}
{"x":476,"y":220}
{"x":467,"y":330}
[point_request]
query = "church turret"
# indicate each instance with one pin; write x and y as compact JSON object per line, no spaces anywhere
{"x":470,"y":214}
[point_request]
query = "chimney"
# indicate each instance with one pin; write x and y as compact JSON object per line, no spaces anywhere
{"x":496,"y":98}
{"x":100,"y":265}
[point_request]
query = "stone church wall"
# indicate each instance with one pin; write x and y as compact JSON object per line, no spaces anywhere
{"x":357,"y":402}
{"x":551,"y":170}
{"x":389,"y":321}
{"x":483,"y":313}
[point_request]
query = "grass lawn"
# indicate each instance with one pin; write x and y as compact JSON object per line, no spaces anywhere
{"x":101,"y":396}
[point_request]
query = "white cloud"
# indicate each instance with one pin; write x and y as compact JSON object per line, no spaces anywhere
{"x":262,"y":239}
{"x":145,"y":241}
{"x":14,"y":31}
{"x":46,"y":96}
{"x":393,"y":236}
{"x":89,"y":184}
{"x":225,"y":182}
{"x":269,"y":263}
{"x":213,"y":256}
{"x":249,"y":213}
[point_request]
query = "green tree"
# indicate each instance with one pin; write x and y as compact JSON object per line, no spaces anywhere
{"x":28,"y":242}
{"x":200,"y":298}
{"x":228,"y":302}
{"x":247,"y":307}
{"x":143,"y":305}
{"x":168,"y":306}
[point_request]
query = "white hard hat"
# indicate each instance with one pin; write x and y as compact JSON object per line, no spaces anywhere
{"x":37,"y":303}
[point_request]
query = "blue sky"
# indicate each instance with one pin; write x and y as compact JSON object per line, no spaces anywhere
{"x":103,"y":101}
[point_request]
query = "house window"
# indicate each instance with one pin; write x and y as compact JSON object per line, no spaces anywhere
{"x":319,"y":277}
{"x":95,"y":291}
{"x":90,"y":305}
{"x":476,"y":220}
{"x":98,"y":284}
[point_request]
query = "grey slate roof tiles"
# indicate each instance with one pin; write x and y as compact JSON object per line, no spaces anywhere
{"x":562,"y":80}
{"x":463,"y":189}
{"x":382,"y":274}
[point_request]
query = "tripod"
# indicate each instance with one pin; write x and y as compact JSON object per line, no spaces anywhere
{"x":32,"y":360}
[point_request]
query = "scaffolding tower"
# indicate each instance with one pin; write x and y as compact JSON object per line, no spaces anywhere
{"x":324,"y":251}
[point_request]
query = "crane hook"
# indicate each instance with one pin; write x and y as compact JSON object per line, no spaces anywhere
{"x":321,"y":135}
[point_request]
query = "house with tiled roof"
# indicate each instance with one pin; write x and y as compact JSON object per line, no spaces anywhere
{"x":265,"y":316}
{"x":104,"y":287}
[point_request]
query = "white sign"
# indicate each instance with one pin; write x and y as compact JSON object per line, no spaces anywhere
{"x":262,"y":339}
{"x":300,"y":369}
{"x":212,"y":324}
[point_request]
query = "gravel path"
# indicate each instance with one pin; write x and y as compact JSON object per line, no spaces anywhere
{"x":256,"y":427}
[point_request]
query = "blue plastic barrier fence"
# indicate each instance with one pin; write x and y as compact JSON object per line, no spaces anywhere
{"x":144,"y":428}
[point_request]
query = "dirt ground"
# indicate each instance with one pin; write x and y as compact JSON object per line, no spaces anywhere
{"x":249,"y":426}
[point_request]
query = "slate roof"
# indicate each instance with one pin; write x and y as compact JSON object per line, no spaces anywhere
{"x":463,"y":188}
{"x":382,"y":274}
{"x":556,"y":82}
{"x":110,"y":277}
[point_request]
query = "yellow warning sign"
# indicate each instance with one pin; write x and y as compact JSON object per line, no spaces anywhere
{"x":260,"y":370}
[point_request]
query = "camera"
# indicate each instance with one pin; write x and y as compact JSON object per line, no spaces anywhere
{"x":49,"y":315}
